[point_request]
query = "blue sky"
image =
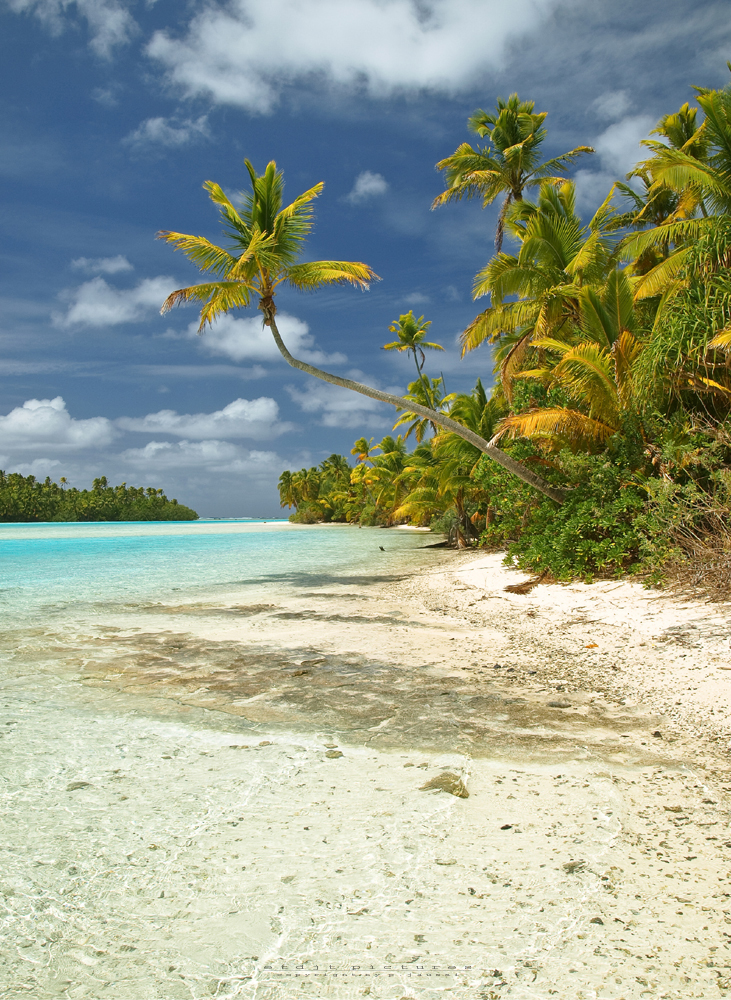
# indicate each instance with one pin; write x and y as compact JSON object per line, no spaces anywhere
{"x":116,"y":111}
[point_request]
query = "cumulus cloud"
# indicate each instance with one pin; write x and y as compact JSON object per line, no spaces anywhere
{"x":342,"y":407}
{"x":46,"y":423}
{"x":109,"y":22}
{"x":367,"y":185}
{"x":381,"y":46}
{"x":212,"y":455}
{"x":619,"y":145}
{"x":168,"y":132}
{"x":102,"y":265}
{"x":618,"y":148}
{"x":96,"y":303}
{"x":249,"y":340}
{"x":243,"y":418}
{"x":612,"y":105}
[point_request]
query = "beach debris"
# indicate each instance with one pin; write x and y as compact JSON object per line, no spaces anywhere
{"x":657,"y":734}
{"x":673,"y":809}
{"x":330,"y":746}
{"x":332,"y":754}
{"x":572,"y":867}
{"x":265,"y":743}
{"x":447,"y":782}
{"x":443,"y":861}
{"x":288,"y":878}
{"x":507,"y":826}
{"x":560,"y":703}
{"x":238,"y":746}
{"x":596,"y":920}
{"x":527,"y":585}
{"x":77,"y":784}
{"x":381,"y":548}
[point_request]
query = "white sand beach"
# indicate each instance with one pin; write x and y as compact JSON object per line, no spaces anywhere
{"x":228,"y":794}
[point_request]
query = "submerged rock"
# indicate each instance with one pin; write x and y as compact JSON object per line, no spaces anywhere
{"x":447,"y":782}
{"x":333,"y":753}
{"x":77,"y":784}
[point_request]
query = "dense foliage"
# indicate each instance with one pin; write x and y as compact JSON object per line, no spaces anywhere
{"x":611,"y":344}
{"x":23,"y":498}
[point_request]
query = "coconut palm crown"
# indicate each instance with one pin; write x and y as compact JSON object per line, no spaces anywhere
{"x":509,"y":163}
{"x":265,"y":242}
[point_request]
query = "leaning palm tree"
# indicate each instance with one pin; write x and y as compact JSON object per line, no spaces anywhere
{"x":265,"y":241}
{"x":509,"y":163}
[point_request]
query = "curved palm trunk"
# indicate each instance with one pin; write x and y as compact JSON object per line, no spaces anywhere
{"x":434,"y":416}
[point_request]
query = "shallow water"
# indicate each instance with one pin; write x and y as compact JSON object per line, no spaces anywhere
{"x":173,"y":826}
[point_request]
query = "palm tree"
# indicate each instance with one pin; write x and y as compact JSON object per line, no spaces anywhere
{"x":558,"y":256}
{"x":265,"y":243}
{"x":362,"y":450}
{"x":411,"y":333}
{"x":288,"y":496}
{"x":695,"y":163}
{"x":423,"y":395}
{"x":596,"y":373}
{"x":508,"y":164}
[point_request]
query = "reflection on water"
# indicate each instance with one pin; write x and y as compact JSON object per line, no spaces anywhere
{"x":189,"y":816}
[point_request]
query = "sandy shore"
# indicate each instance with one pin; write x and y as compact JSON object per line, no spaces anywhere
{"x":232,"y":788}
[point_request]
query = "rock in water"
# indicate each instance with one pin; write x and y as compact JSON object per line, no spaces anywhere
{"x":333,"y":754}
{"x":447,"y":782}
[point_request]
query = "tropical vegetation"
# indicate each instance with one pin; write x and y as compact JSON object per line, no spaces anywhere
{"x":24,"y":498}
{"x":600,"y":441}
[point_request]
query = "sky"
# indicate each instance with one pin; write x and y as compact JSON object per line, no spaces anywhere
{"x":116,"y":111}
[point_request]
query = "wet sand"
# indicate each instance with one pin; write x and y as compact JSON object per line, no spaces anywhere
{"x":227,"y":790}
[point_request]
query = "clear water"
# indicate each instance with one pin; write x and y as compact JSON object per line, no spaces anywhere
{"x":173,"y":827}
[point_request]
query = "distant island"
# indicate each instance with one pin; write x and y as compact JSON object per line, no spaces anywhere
{"x":24,"y":498}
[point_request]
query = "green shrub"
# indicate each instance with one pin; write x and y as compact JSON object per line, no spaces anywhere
{"x":604,"y":527}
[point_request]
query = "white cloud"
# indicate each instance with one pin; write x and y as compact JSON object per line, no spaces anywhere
{"x":612,"y":105}
{"x":618,"y":148}
{"x":242,"y":53}
{"x":95,"y":303}
{"x":343,"y":407}
{"x":367,"y":185}
{"x":44,"y":423}
{"x":102,"y":265}
{"x":619,"y":145}
{"x":256,"y":418}
{"x":249,"y":340}
{"x":212,"y":455}
{"x":168,"y":132}
{"x":110,"y":22}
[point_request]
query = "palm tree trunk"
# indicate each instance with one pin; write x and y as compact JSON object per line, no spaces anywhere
{"x":508,"y":463}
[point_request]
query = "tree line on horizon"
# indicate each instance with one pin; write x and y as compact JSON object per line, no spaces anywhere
{"x":26,"y":499}
{"x":610,"y":343}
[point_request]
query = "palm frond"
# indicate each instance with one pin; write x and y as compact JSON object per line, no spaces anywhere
{"x":219,"y":296}
{"x":663,"y":276}
{"x":722,"y":340}
{"x":569,"y":425}
{"x":206,"y":255}
{"x":315,"y":274}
